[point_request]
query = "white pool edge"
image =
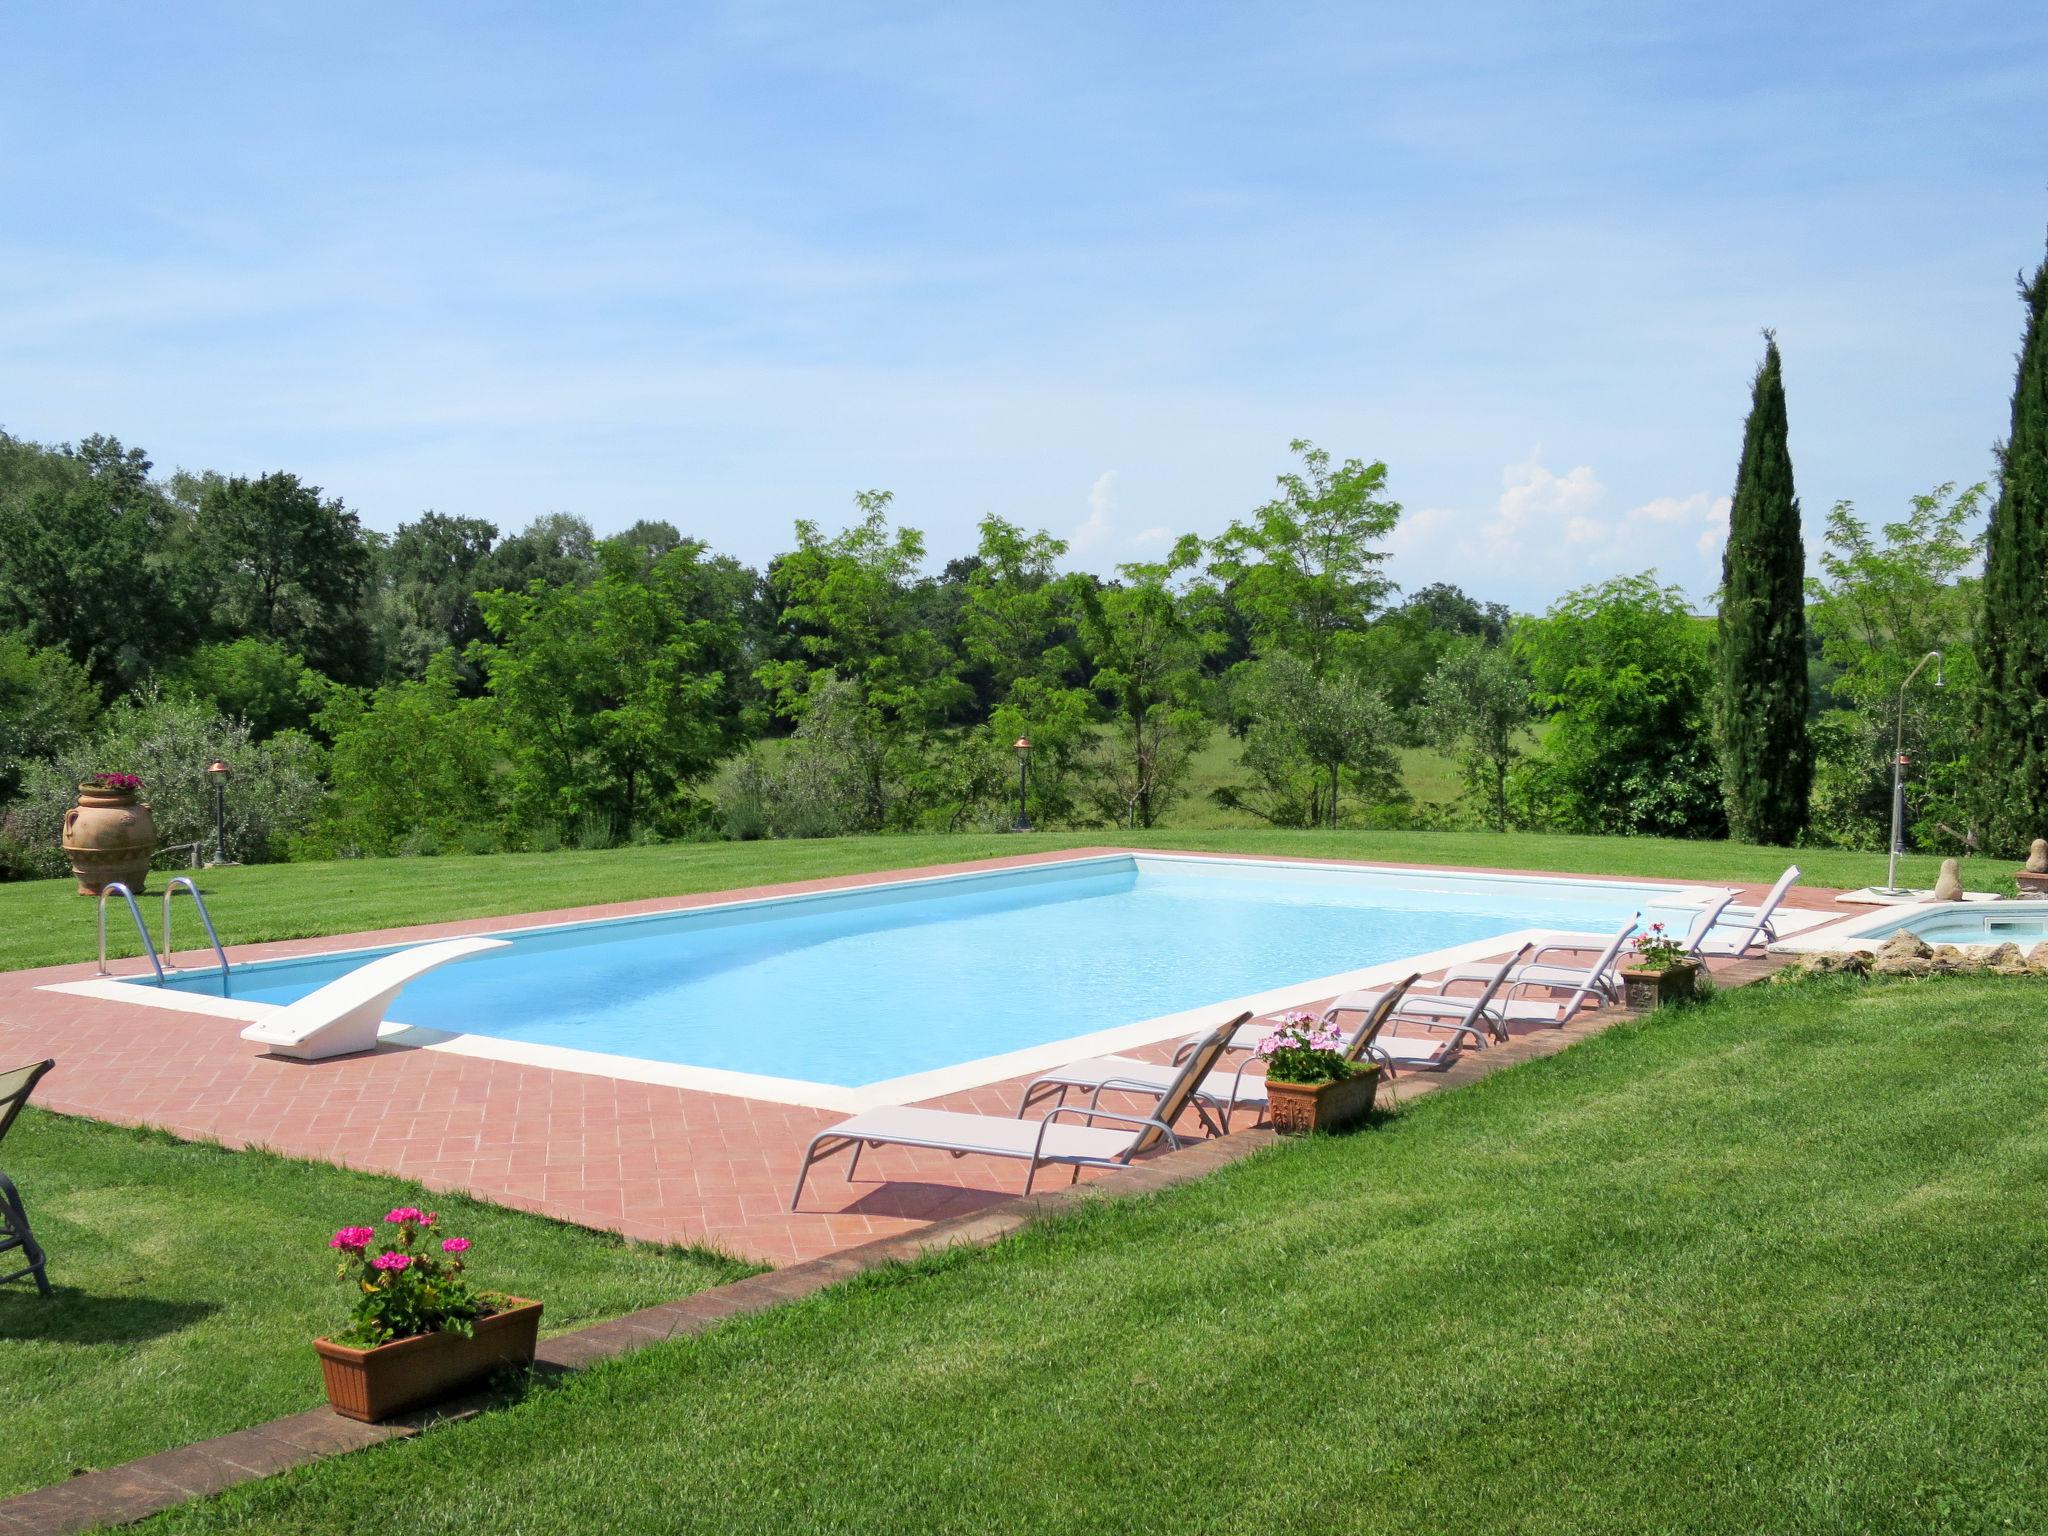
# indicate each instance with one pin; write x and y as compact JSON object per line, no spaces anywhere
{"x":913,"y":1087}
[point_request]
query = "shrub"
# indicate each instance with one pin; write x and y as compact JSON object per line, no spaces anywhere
{"x":272,"y":797}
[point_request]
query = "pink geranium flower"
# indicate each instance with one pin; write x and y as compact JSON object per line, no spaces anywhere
{"x":355,"y":1239}
{"x":405,"y":1213}
{"x":455,"y":1245}
{"x":392,"y":1261}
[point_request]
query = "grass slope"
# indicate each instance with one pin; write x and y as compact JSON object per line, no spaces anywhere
{"x":190,"y":1279}
{"x":1771,"y":1264}
{"x":46,"y":922}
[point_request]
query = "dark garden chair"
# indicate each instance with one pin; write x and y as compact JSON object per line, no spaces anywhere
{"x":16,"y":1084}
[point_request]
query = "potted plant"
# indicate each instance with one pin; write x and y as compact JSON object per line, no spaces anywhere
{"x":110,"y":835}
{"x":1658,"y":972}
{"x":420,"y":1332}
{"x":1311,"y":1085}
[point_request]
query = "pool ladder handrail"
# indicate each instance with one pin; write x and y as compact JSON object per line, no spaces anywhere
{"x":116,"y":888}
{"x":205,"y":917}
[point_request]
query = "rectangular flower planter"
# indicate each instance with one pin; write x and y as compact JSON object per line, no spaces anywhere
{"x":1297,"y":1109}
{"x":1645,"y":990}
{"x":374,"y":1384}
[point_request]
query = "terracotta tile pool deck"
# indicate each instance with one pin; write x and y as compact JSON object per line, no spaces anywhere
{"x":649,"y":1161}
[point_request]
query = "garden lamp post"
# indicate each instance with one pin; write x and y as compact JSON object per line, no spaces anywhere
{"x":218,"y":771}
{"x":1023,"y":781}
{"x":1891,"y":874}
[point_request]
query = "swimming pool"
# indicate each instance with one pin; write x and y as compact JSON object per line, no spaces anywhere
{"x":882,"y":983}
{"x":2017,"y":922}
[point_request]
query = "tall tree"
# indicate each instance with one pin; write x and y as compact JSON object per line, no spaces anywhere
{"x":2012,"y":636}
{"x":1766,"y":757}
{"x":287,"y":566}
{"x":1303,"y":569}
{"x":1476,"y":706}
{"x":1148,"y":653}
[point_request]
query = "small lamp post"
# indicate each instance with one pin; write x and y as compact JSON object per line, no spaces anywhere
{"x":1891,"y":874}
{"x":1023,"y":782}
{"x":218,"y":771}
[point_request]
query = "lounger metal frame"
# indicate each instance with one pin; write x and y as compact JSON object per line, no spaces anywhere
{"x":14,"y":1227}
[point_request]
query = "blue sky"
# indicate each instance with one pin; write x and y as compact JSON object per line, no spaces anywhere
{"x":1089,"y":267}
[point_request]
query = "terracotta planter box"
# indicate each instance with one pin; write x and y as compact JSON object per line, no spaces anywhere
{"x":1297,"y":1109}
{"x":373,"y":1384}
{"x":1645,"y":990}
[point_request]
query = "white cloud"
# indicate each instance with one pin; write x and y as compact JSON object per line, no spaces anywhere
{"x":1152,"y":536}
{"x":1536,"y":499}
{"x":1094,"y":529}
{"x":1674,"y":509}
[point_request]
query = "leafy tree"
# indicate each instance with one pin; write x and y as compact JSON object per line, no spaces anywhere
{"x":1766,"y":759}
{"x":1302,"y":568}
{"x":1881,"y":604}
{"x":47,"y":703}
{"x":427,"y":576}
{"x":412,"y":761}
{"x":616,"y":694}
{"x":847,"y":602}
{"x":1476,"y":707}
{"x":1020,"y":627}
{"x":274,"y":794}
{"x":85,"y":537}
{"x":557,"y":550}
{"x":1307,"y":733}
{"x":1403,"y":647}
{"x":287,"y":566}
{"x":248,"y":679}
{"x":1626,"y":668}
{"x":1148,"y":656}
{"x":2012,"y":641}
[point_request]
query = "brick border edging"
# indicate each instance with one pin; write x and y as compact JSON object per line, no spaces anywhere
{"x":137,"y":1489}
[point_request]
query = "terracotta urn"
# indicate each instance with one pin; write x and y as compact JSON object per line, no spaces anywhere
{"x":109,"y":835}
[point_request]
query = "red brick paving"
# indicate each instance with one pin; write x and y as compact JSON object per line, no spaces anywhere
{"x":652,"y":1162}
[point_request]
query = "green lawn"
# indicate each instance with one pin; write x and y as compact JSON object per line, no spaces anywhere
{"x":191,"y":1279}
{"x":46,"y":922}
{"x":1771,"y":1264}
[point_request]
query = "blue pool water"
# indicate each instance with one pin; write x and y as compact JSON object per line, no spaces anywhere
{"x":2020,"y":922}
{"x":859,"y":986}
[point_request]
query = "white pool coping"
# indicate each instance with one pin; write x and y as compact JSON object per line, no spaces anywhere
{"x":918,"y":1086}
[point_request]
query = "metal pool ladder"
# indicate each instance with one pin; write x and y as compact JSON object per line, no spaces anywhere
{"x":116,"y":888}
{"x":160,"y":961}
{"x":205,"y":917}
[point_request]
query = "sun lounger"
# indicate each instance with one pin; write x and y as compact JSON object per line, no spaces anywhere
{"x":1438,"y":1006}
{"x":1223,"y":1091}
{"x":16,"y":1085}
{"x":1756,"y":920}
{"x":1602,"y":977}
{"x":1077,"y":1142}
{"x":1461,"y":1019}
{"x":341,"y":1018}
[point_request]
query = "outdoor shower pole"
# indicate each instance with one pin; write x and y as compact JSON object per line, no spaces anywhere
{"x":1891,"y":874}
{"x":1023,"y":782}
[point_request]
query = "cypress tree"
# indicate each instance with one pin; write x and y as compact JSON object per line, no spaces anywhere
{"x":1766,"y":758}
{"x":2012,"y":634}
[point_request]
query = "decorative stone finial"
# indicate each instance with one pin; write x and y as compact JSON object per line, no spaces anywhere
{"x":2037,"y":857}
{"x":1948,"y":885}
